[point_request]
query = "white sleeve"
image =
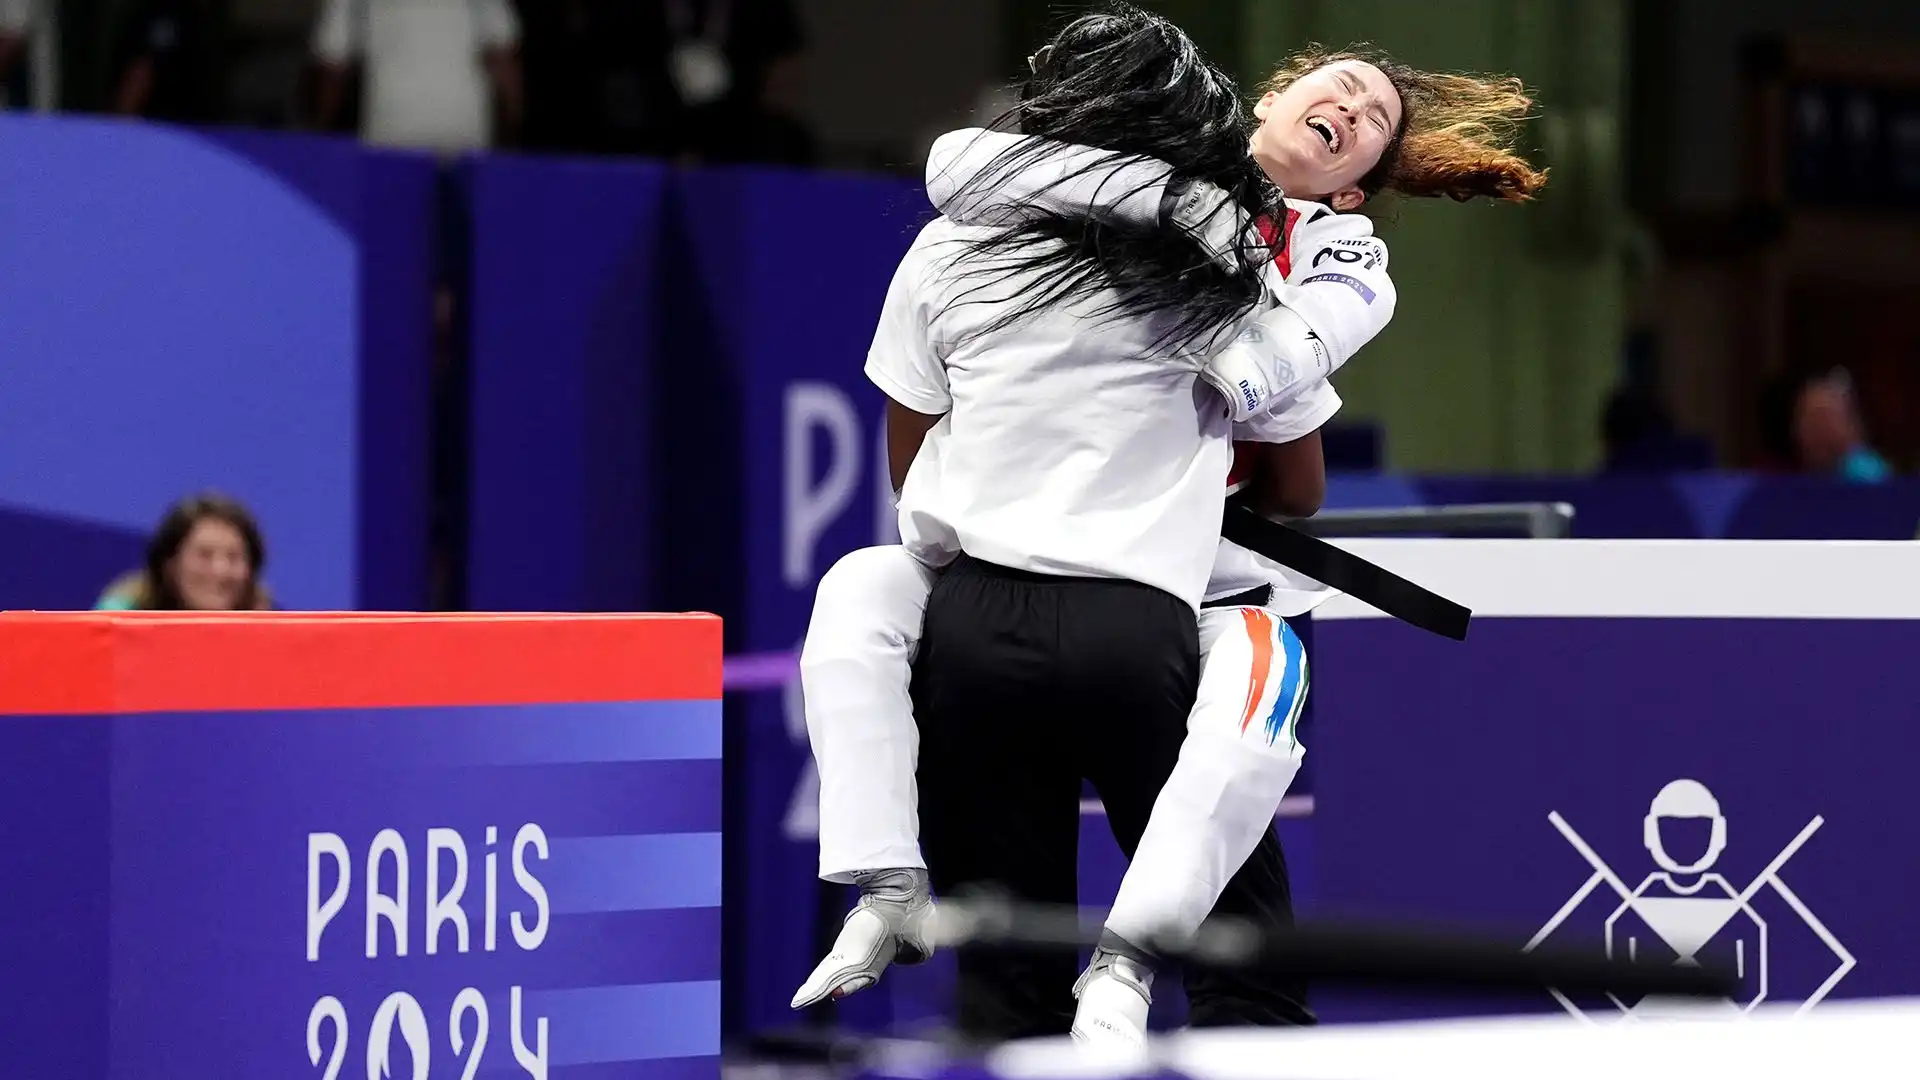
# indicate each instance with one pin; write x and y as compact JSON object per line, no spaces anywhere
{"x":1067,"y":179}
{"x":1071,"y":179}
{"x":901,"y":361}
{"x":498,"y":27}
{"x":1338,"y":282}
{"x":1297,"y":416}
{"x":336,"y":38}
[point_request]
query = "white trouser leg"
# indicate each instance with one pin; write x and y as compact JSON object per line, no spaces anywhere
{"x":854,"y":671}
{"x":1241,"y":753}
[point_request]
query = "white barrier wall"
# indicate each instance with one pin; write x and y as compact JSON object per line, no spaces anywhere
{"x":1731,"y":579}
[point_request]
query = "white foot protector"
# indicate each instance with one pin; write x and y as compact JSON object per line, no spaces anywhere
{"x":1114,"y":997}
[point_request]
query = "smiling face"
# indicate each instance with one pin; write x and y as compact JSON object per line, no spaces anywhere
{"x":1321,"y":135}
{"x":212,"y":570}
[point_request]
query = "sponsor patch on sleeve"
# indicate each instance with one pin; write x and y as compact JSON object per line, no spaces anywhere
{"x":1351,"y":282}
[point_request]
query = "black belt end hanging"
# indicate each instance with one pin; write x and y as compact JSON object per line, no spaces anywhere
{"x":1347,"y":572}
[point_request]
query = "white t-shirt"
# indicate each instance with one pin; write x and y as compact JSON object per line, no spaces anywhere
{"x":1070,"y":445}
{"x":426,"y":86}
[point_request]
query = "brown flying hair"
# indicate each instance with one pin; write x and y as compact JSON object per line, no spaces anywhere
{"x":1456,"y":131}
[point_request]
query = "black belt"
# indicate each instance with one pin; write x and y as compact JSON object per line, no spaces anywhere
{"x":1258,"y":596}
{"x":1346,"y":572}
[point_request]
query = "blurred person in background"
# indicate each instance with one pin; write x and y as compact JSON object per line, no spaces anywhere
{"x":1811,"y":423}
{"x":440,"y":75}
{"x":16,"y":18}
{"x":170,"y":61}
{"x":271,"y":75}
{"x":699,"y":80}
{"x":206,"y":555}
{"x":736,"y":67}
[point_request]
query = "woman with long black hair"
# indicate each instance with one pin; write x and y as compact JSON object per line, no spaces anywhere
{"x":1061,"y":450}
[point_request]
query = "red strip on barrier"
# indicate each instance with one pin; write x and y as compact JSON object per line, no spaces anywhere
{"x":165,"y":662}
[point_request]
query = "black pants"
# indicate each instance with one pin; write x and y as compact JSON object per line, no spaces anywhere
{"x":1024,"y":685}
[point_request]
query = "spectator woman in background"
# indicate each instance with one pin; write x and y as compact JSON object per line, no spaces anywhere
{"x":205,"y":556}
{"x":1811,"y":423}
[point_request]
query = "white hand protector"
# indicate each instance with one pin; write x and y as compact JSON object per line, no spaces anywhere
{"x":1335,"y":298}
{"x":1221,"y":226}
{"x":1274,"y":356}
{"x":891,"y":922}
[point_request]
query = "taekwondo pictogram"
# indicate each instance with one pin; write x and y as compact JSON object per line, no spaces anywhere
{"x":1686,"y":906}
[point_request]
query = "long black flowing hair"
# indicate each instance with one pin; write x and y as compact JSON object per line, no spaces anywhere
{"x":1131,"y":83}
